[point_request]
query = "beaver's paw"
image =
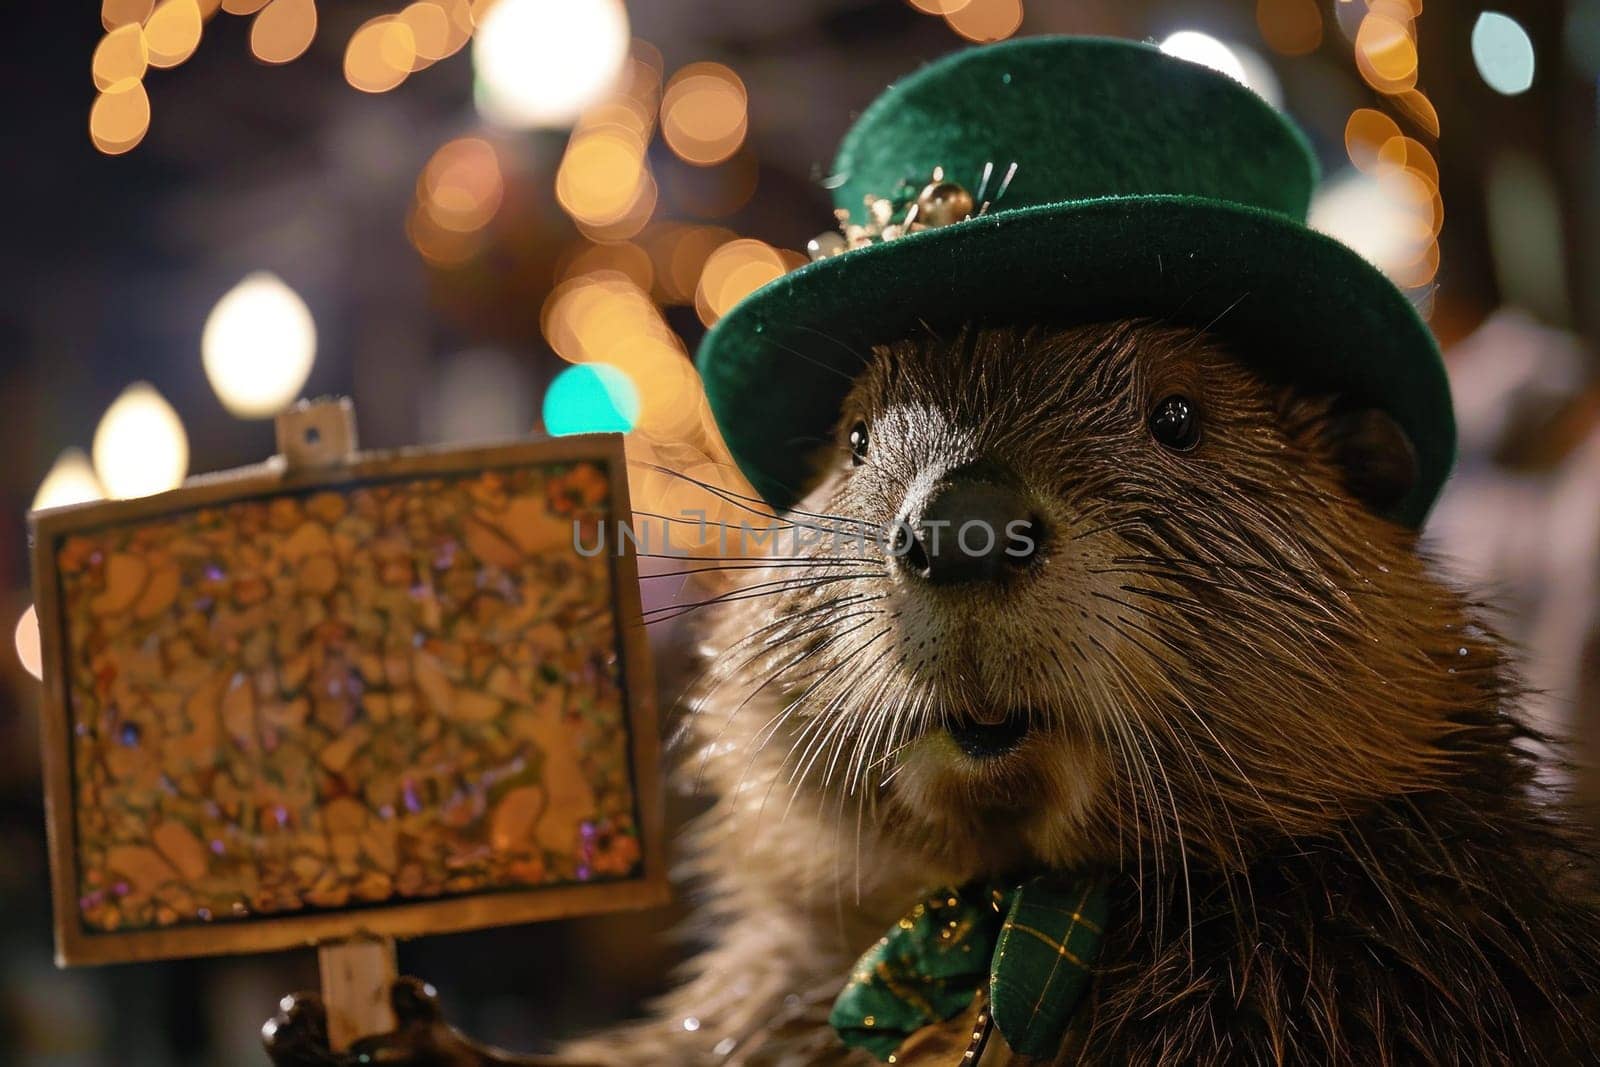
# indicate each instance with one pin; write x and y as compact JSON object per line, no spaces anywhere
{"x":421,"y":1037}
{"x":297,"y":1036}
{"x":414,"y":1001}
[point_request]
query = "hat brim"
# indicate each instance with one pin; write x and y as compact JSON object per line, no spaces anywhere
{"x":1296,"y":303}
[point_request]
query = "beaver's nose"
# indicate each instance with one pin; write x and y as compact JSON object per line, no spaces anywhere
{"x":975,"y":526}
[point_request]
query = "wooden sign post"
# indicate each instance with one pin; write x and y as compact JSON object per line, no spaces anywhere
{"x":356,"y":974}
{"x":343,"y":697}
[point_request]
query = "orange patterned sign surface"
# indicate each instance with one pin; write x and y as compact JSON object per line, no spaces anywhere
{"x":390,"y":691}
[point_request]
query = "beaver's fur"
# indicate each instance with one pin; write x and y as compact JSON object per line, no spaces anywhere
{"x":1258,"y":708}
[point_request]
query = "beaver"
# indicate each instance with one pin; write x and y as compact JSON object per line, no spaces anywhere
{"x":1200,"y":660}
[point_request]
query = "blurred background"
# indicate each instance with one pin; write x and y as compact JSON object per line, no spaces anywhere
{"x":490,"y":218}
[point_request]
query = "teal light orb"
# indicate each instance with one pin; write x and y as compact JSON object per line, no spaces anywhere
{"x":591,"y":398}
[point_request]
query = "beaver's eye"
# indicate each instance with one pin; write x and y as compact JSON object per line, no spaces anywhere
{"x":858,"y":444}
{"x":1175,"y":423}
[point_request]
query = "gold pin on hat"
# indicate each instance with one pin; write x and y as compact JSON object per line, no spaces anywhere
{"x":939,"y":203}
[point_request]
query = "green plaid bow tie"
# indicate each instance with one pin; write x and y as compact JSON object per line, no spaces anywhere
{"x":1034,"y":947}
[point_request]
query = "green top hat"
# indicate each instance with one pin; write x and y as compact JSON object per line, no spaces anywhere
{"x":1105,"y":180}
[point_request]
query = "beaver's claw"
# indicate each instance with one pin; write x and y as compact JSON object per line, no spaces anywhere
{"x":414,"y":1001}
{"x":297,"y":1036}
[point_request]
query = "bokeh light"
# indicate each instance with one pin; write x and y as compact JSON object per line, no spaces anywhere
{"x":1408,"y":153}
{"x":607,"y":317}
{"x":70,"y":480}
{"x":602,"y":313}
{"x":1206,"y":50}
{"x":258,"y":346}
{"x":1503,"y":52}
{"x":541,"y":62}
{"x":1236,"y":61}
{"x":114,"y":13}
{"x":283,"y":30}
{"x":438,"y":246}
{"x":30,"y":652}
{"x":120,"y":59}
{"x":604,"y":181}
{"x":698,"y":515}
{"x":462,"y":187}
{"x":380,"y":55}
{"x":172,"y":31}
{"x":458,"y":194}
{"x":1388,"y":207}
{"x":1386,"y":49}
{"x":244,"y":7}
{"x":1365,"y":134}
{"x":733,"y":272}
{"x":985,"y":20}
{"x":704,"y":113}
{"x":140,"y":446}
{"x":1258,"y":74}
{"x":585,"y":317}
{"x":590,"y":398}
{"x":432,"y":30}
{"x":618,"y":257}
{"x":1388,"y":215}
{"x":119,"y":120}
{"x":601,"y":175}
{"x":678,"y":253}
{"x":1290,"y":27}
{"x":1419,"y":109}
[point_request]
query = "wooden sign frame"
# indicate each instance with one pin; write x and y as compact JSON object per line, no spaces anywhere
{"x":77,"y":945}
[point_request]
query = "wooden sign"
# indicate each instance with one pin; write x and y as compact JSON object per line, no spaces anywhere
{"x":346,"y":696}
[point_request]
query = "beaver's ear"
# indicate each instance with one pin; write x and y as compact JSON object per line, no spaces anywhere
{"x":1380,"y":466}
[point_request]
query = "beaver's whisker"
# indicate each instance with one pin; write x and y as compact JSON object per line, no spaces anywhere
{"x":764,"y":735}
{"x":1263,"y":582}
{"x":812,"y":721}
{"x":909,"y":724}
{"x":1185,"y":744}
{"x":1146,"y":795}
{"x":781,"y":670}
{"x":857,"y":776}
{"x":867,"y":710}
{"x":1130,"y":773}
{"x":697,"y":696}
{"x":698,"y":521}
{"x":864,"y":765}
{"x":756,"y":561}
{"x":739,"y":499}
{"x":844,"y":794}
{"x":882,"y":726}
{"x":804,"y":357}
{"x":1114,"y":526}
{"x":1119,"y":671}
{"x":822,"y":726}
{"x":1183,"y":700}
{"x":1291,"y":656}
{"x":826,"y":722}
{"x":811,"y":564}
{"x":852,"y":350}
{"x":755,"y":592}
